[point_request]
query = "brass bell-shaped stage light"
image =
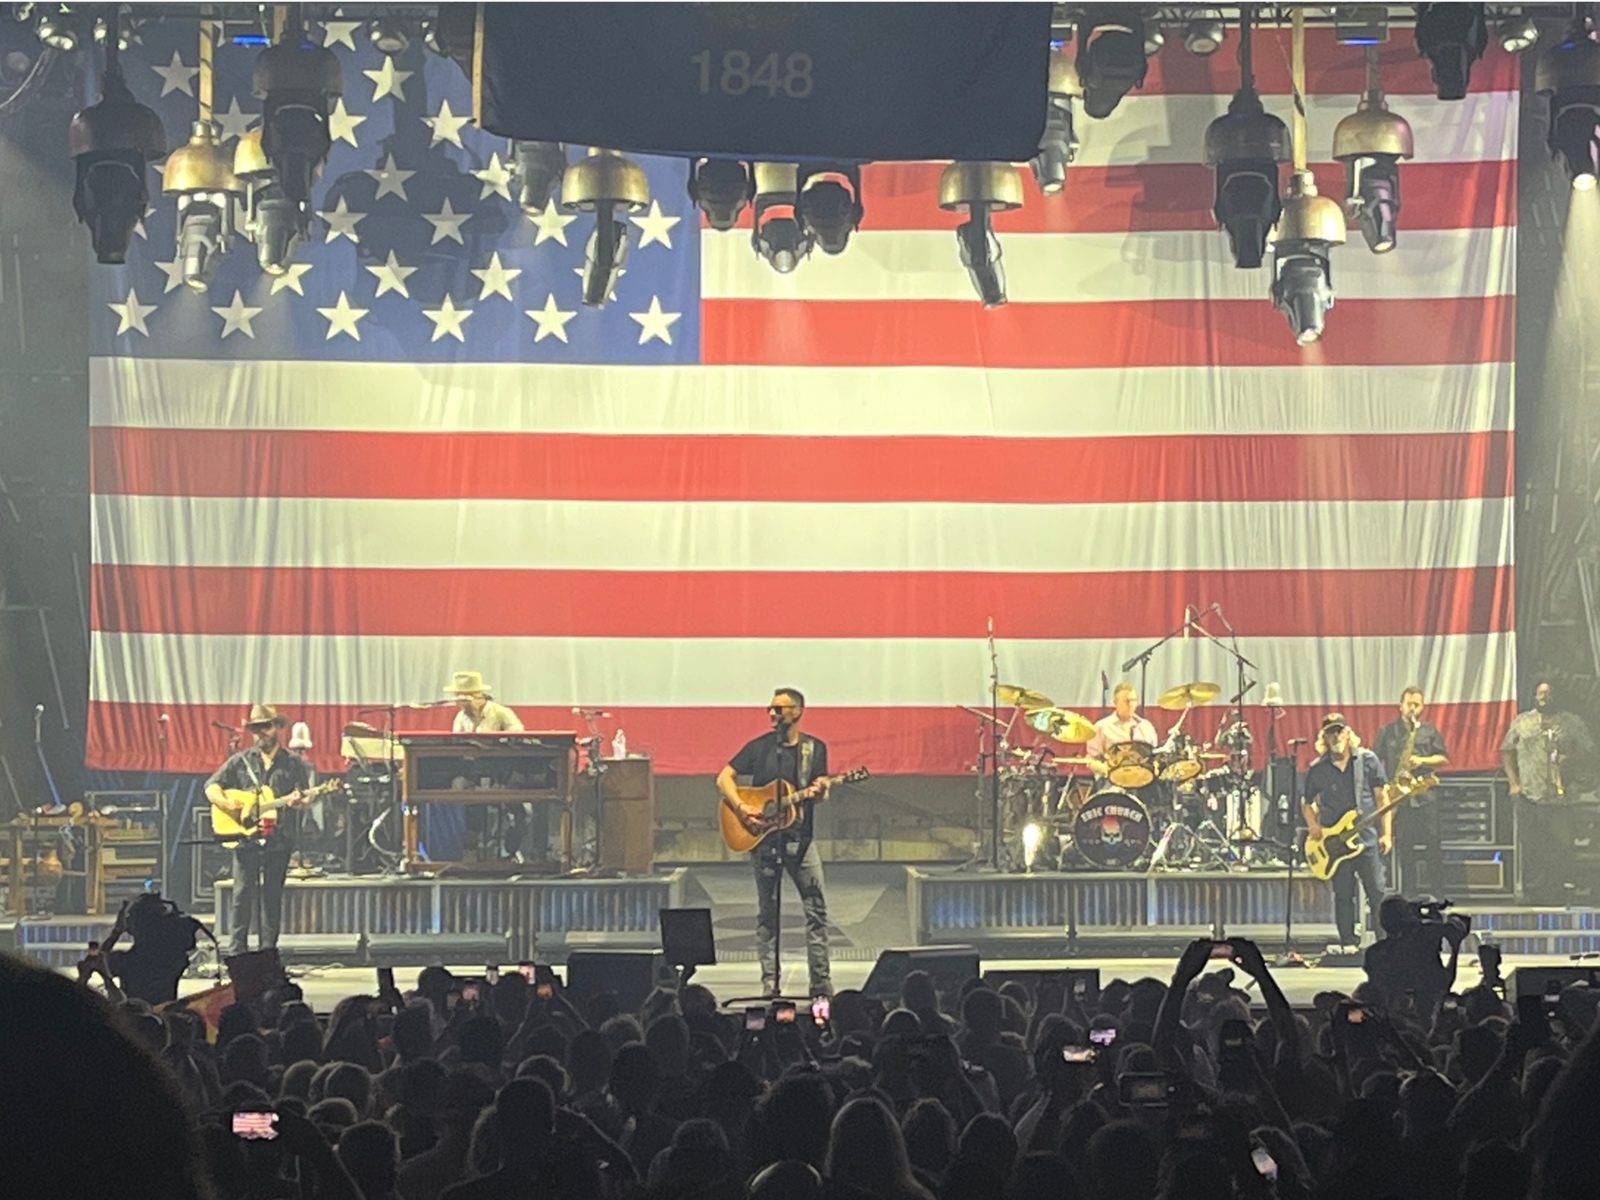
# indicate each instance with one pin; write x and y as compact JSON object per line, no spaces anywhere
{"x":297,"y":84}
{"x":981,"y":189}
{"x":776,"y":233}
{"x":113,"y":143}
{"x":275,"y":225}
{"x":1302,"y":286}
{"x":1569,"y":73}
{"x":200,"y":174}
{"x":1059,"y":145}
{"x":1204,"y":35}
{"x":1517,"y":34}
{"x":720,"y":188}
{"x":1111,"y":55}
{"x":607,"y":185}
{"x":1371,"y":142}
{"x":1244,"y":147}
{"x":830,"y":205}
{"x":537,"y":168}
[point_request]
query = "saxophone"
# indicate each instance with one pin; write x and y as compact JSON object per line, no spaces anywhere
{"x":1402,"y":768}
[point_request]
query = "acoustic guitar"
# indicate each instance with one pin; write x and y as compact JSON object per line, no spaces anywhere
{"x":1342,"y":839}
{"x":254,"y":806}
{"x":774,"y":807}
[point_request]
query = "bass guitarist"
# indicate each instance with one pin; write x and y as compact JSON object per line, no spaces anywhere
{"x":799,"y":760}
{"x":261,"y":863}
{"x":1348,"y":776}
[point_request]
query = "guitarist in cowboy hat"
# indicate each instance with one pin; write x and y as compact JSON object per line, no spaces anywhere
{"x":261,"y":863}
{"x":1348,"y":776}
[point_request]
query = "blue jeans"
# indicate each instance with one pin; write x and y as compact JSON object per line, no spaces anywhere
{"x":773,"y":857}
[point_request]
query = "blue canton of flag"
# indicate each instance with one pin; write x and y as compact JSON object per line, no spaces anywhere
{"x":419,"y":251}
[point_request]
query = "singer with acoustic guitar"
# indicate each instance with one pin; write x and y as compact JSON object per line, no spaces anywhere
{"x":799,"y":762}
{"x":270,"y":772}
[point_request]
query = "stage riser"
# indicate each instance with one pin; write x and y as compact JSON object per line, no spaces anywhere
{"x":958,"y":908}
{"x":542,"y":916}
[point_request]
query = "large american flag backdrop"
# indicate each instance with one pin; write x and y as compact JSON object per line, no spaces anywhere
{"x":417,"y":452}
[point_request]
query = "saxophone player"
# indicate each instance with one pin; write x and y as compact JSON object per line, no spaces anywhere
{"x":1538,"y":754}
{"x":1410,"y":745}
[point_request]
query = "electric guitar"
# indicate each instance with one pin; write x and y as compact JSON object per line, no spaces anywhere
{"x":1342,"y":839}
{"x":774,"y":807}
{"x":254,"y":806}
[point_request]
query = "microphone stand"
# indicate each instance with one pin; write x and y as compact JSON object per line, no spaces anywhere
{"x":391,"y":714}
{"x":1142,"y":659}
{"x":994,"y":756}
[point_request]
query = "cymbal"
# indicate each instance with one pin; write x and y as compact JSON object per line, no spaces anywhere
{"x":1186,"y":694}
{"x":359,"y":729}
{"x":1061,"y":724}
{"x":1215,"y":754}
{"x":1021,"y":697}
{"x":1076,"y":760}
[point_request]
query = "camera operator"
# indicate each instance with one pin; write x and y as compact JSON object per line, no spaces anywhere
{"x":163,"y":939}
{"x":1405,"y":965}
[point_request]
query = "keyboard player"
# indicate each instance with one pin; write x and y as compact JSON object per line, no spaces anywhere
{"x":524,"y":829}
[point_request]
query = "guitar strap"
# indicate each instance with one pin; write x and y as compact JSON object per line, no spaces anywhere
{"x":807,"y":745}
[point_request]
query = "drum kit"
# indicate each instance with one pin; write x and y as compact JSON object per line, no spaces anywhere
{"x":1179,"y":805}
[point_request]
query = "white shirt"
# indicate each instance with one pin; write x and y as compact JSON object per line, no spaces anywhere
{"x":495,"y":718}
{"x":1112,"y":730}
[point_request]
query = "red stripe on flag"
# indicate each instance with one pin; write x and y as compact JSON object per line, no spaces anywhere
{"x":349,"y":601}
{"x":687,"y":468}
{"x":1331,"y":68}
{"x":1118,"y":334}
{"x":699,"y":741}
{"x":1157,"y":197}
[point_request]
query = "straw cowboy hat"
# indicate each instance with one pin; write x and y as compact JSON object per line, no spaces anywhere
{"x":264,"y":715}
{"x":467,"y":683}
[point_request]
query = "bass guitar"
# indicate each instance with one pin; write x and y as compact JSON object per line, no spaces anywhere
{"x":771,"y":808}
{"x":1342,"y":839}
{"x":255,"y":806}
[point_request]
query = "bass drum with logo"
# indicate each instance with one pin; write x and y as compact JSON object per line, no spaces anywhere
{"x":1112,"y":830}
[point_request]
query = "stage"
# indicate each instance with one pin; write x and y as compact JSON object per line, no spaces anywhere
{"x":357,"y":921}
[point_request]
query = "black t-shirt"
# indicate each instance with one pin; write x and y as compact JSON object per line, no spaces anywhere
{"x":247,"y":771}
{"x":1392,"y":740}
{"x":1334,"y":791}
{"x":765,"y":759}
{"x":1410,"y":962}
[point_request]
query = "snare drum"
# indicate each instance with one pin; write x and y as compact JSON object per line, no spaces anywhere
{"x":1112,"y":830}
{"x":1131,"y":764}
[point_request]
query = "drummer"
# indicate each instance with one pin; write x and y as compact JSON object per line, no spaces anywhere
{"x":1122,"y":724}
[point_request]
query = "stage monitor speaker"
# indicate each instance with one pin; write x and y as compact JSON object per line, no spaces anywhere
{"x":628,"y":974}
{"x":950,"y":966}
{"x":686,"y":937}
{"x":1548,"y":981}
{"x":255,"y":972}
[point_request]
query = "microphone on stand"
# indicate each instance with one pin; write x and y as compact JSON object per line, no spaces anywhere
{"x":429,"y":704}
{"x":225,"y":726}
{"x":590,"y":712}
{"x":161,"y":727}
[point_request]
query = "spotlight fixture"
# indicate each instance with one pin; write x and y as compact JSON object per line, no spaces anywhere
{"x":1154,"y":38}
{"x":1569,"y":73}
{"x":113,"y":142}
{"x":605,"y":184}
{"x":59,"y":29}
{"x":776,"y":231}
{"x":1371,"y":142}
{"x":537,"y":168}
{"x":1517,"y":34}
{"x":1451,"y":37}
{"x":1059,"y":145}
{"x":124,"y":32}
{"x":720,"y":188}
{"x":1360,"y":24}
{"x":1111,"y":56}
{"x":1302,"y":286}
{"x":200,"y":175}
{"x":981,"y":189}
{"x":1204,"y":35}
{"x":276,"y":226}
{"x":830,"y":205}
{"x":389,"y":35}
{"x":297,"y":85}
{"x":1244,"y":147}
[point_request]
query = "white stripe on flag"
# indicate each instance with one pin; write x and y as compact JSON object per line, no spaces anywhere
{"x":722,"y":536}
{"x":210,"y":669}
{"x":912,"y":265}
{"x":815,"y":401}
